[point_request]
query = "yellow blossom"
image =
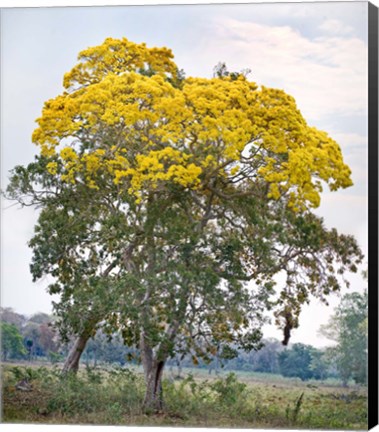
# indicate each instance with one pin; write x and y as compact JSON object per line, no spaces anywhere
{"x":52,"y":168}
{"x":141,"y":132}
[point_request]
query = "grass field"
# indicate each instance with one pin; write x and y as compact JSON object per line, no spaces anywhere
{"x":246,"y":400}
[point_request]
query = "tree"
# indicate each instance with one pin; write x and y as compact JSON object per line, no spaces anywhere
{"x":71,"y":256}
{"x":169,"y":204}
{"x":40,"y":318}
{"x":11,"y":341}
{"x":106,"y":348}
{"x":48,"y":340}
{"x":266,"y":359}
{"x":320,"y":364}
{"x":347,"y":327}
{"x":296,"y":362}
{"x":263,"y":359}
{"x":31,"y":334}
{"x":9,"y":316}
{"x":39,"y":335}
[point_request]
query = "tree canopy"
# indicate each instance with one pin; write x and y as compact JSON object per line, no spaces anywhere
{"x":11,"y":341}
{"x":168,"y":205}
{"x":347,"y":327}
{"x":303,"y":361}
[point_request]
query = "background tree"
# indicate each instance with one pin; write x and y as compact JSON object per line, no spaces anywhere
{"x":266,"y":359}
{"x":9,"y":316}
{"x":296,"y":362}
{"x":320,"y":364}
{"x":175,"y":194}
{"x":347,"y":327}
{"x":106,"y":348}
{"x":38,"y":330}
{"x":31,"y":334}
{"x":40,"y":318}
{"x":11,"y":341}
{"x":48,"y":339}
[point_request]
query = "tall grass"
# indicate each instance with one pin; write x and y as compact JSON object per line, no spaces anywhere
{"x":114,"y":396}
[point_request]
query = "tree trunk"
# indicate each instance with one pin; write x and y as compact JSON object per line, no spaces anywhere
{"x":154,"y":393}
{"x":153,"y":369}
{"x":179,"y":369}
{"x":72,"y":361}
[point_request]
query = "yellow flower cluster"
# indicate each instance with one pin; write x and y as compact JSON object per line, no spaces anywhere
{"x":160,"y":166}
{"x":143,"y":132}
{"x":118,"y":56}
{"x":52,"y":167}
{"x":221,"y":112}
{"x":308,"y":156}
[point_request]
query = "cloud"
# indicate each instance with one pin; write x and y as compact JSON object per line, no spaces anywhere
{"x":336,"y":27}
{"x":355,"y":152}
{"x":348,"y":213}
{"x":350,"y":140}
{"x":327,"y":74}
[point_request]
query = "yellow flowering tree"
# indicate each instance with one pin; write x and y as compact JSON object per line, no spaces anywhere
{"x":179,"y":192}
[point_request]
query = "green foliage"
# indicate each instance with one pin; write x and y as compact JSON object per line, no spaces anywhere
{"x":263,"y":360}
{"x":9,"y":316}
{"x":115,"y":397}
{"x":191,"y":397}
{"x":106,"y":348}
{"x":305,"y":362}
{"x":75,"y":395}
{"x":348,"y":329}
{"x":230,"y":391}
{"x":40,"y":336}
{"x":292,"y":414}
{"x":296,"y":362}
{"x":188,"y":397}
{"x":55,"y":357}
{"x":29,"y":373}
{"x":320,"y":364}
{"x":119,"y":392}
{"x":11,"y":342}
{"x":166,"y":201}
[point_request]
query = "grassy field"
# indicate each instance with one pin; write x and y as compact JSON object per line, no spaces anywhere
{"x":245,"y":400}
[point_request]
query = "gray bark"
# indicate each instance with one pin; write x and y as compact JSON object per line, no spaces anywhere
{"x":153,"y":370}
{"x":153,"y":400}
{"x":72,"y":361}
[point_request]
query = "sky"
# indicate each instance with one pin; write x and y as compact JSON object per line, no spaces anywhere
{"x":317,"y":52}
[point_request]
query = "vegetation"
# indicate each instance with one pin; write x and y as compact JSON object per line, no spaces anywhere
{"x":299,"y":362}
{"x":174,"y":200}
{"x":11,"y":341}
{"x":31,"y":338}
{"x":169,"y":204}
{"x":110,"y":394}
{"x":348,"y":329}
{"x":115,"y":397}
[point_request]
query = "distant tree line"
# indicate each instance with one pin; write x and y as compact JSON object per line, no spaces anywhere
{"x":35,"y":338}
{"x":27,"y":338}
